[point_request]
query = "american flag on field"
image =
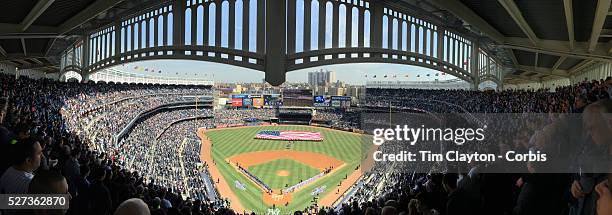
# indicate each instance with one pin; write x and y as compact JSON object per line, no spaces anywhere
{"x":289,"y":135}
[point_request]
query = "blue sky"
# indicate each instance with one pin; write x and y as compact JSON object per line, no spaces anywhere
{"x":350,"y":73}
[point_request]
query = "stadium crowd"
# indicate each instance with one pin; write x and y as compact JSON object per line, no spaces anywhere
{"x":55,"y":133}
{"x":153,"y":144}
{"x":388,"y":189}
{"x":178,"y":153}
{"x":238,"y":116}
{"x":42,"y":140}
{"x":338,"y":118}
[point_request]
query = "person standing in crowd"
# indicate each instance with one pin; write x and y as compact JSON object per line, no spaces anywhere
{"x":27,"y":155}
{"x":71,"y":168}
{"x":101,"y":202}
{"x":132,"y":206}
{"x":458,"y":201}
{"x":81,"y":200}
{"x":49,"y":182}
{"x":594,"y":158}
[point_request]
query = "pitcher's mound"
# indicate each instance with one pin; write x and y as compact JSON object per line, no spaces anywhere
{"x":282,"y":173}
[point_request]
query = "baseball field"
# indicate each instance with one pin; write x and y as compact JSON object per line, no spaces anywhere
{"x":257,"y":173}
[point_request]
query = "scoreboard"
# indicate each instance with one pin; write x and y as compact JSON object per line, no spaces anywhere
{"x":331,"y":101}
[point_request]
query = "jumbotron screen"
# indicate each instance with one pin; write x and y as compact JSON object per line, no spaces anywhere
{"x":297,"y":97}
{"x":321,"y":101}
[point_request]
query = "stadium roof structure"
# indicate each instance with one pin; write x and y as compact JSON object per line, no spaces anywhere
{"x":33,"y":33}
{"x":543,"y":39}
{"x":527,"y":41}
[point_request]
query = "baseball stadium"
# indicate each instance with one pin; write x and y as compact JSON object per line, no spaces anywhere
{"x":284,"y":174}
{"x":329,"y":107}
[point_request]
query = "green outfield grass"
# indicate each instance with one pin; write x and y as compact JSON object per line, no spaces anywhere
{"x":266,"y":172}
{"x":344,"y":146}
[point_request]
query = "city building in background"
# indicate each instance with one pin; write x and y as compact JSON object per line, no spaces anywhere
{"x":321,"y":78}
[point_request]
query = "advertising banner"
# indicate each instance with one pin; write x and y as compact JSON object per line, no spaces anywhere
{"x":341,"y":101}
{"x":247,"y":102}
{"x":239,"y":96}
{"x":237,"y":102}
{"x":271,"y":100}
{"x":258,"y":102}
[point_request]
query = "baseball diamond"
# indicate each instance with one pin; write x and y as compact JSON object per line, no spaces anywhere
{"x":292,"y":174}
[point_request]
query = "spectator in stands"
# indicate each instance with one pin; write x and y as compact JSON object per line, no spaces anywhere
{"x":16,"y":179}
{"x":81,"y":199}
{"x":609,"y":86}
{"x":595,"y":156}
{"x":156,"y":207}
{"x":49,"y":182}
{"x":71,"y":168}
{"x":458,"y":201}
{"x":412,"y":207}
{"x":101,"y":202}
{"x":604,"y":190}
{"x":425,"y":204}
{"x":389,"y":210}
{"x":132,"y":206}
